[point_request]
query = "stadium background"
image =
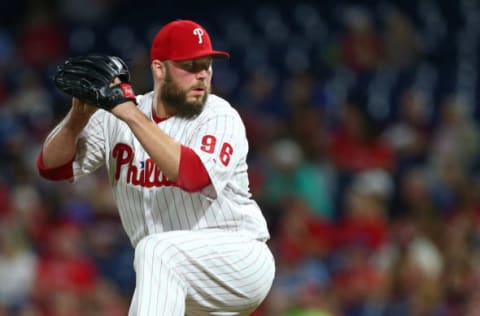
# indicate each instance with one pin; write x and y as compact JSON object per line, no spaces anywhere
{"x":363,"y":125}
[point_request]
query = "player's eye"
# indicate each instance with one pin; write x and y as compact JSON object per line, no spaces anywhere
{"x":195,"y":65}
{"x":185,"y":65}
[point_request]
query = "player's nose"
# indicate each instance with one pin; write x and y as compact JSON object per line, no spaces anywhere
{"x":202,"y":74}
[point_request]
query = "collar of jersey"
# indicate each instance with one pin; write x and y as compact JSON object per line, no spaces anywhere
{"x":157,"y":119}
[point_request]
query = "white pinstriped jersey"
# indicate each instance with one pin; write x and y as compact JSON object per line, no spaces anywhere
{"x":147,"y":201}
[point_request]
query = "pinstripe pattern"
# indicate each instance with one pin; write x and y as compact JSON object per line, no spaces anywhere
{"x":194,"y":252}
{"x":226,"y":204}
{"x":218,"y":272}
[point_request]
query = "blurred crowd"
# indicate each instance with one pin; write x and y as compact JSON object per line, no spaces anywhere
{"x":364,"y":152}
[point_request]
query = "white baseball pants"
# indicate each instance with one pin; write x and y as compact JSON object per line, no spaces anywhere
{"x":207,"y":272}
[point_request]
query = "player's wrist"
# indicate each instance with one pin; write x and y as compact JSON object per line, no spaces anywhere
{"x":126,"y":111}
{"x":75,"y":121}
{"x":112,"y":97}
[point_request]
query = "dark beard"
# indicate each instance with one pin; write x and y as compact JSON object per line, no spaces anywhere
{"x":173,"y":96}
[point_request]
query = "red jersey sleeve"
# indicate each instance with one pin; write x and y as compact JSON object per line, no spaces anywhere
{"x":64,"y":172}
{"x":192,"y":175}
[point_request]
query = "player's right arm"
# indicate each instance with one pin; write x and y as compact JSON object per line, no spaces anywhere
{"x":60,"y":148}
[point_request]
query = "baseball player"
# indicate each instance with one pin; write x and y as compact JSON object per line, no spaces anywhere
{"x":176,"y":161}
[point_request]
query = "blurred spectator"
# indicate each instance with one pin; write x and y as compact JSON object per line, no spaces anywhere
{"x":291,"y":175}
{"x":410,"y":134}
{"x":301,"y":235}
{"x":112,"y":254}
{"x":364,"y":222}
{"x":260,"y":107}
{"x":456,"y":136}
{"x":302,"y":292}
{"x":310,"y":132}
{"x":302,"y":243}
{"x":108,"y":301}
{"x":361,"y":46}
{"x":450,"y":181}
{"x":299,"y":93}
{"x":42,"y":40}
{"x":359,"y":285}
{"x":355,"y":144}
{"x":415,"y":190}
{"x":32,"y":105}
{"x":402,"y":43}
{"x":65,"y":274}
{"x":17,"y":265}
{"x":4,"y":200}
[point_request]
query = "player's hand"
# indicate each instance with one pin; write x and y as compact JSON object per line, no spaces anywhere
{"x":89,"y":79}
{"x":79,"y":114}
{"x":82,"y":109}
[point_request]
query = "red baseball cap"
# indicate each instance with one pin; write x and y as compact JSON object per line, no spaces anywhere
{"x":181,"y":40}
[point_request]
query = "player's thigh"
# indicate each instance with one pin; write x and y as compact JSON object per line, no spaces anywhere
{"x":225,"y":273}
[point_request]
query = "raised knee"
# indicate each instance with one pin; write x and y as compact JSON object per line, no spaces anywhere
{"x":152,"y":248}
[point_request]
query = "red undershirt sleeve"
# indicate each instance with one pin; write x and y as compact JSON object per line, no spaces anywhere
{"x":63,"y":172}
{"x":192,"y":175}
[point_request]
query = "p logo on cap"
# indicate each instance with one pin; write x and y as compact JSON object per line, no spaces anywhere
{"x":199,"y":32}
{"x":182,"y":40}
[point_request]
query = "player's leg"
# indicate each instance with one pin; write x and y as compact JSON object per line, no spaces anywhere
{"x":159,"y":290}
{"x":217,"y":273}
{"x":231,"y":277}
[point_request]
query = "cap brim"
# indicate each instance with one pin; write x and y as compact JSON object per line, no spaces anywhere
{"x":220,"y":54}
{"x":213,"y":53}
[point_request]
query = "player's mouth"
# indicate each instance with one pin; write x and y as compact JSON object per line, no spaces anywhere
{"x":199,"y":90}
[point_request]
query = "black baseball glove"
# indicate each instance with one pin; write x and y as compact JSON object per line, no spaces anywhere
{"x":89,"y":78}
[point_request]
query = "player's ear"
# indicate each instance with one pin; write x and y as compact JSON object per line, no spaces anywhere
{"x":158,"y":69}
